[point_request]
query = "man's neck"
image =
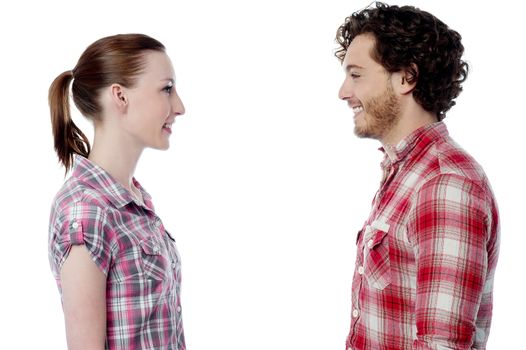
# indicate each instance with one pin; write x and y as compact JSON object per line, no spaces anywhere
{"x":414,"y":117}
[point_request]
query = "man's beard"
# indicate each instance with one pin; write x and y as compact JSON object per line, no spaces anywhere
{"x":381,"y":113}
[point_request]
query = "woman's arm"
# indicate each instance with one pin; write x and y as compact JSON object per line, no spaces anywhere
{"x":83,"y":301}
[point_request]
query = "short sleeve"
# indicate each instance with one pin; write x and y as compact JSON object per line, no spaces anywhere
{"x":81,"y":224}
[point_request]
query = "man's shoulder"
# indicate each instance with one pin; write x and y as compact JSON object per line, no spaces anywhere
{"x":446,"y":169}
{"x":446,"y":162}
{"x":443,"y":158}
{"x":451,"y":158}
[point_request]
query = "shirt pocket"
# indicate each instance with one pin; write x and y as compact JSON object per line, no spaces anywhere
{"x":377,"y":266}
{"x":153,"y":261}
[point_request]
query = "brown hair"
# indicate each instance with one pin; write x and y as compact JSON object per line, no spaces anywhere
{"x":113,"y":59}
{"x":407,"y":38}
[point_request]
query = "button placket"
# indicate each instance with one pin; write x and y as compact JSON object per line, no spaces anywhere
{"x":360,"y":270}
{"x":368,"y":241}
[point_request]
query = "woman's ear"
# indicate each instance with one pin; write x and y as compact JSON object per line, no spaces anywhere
{"x":119,"y":97}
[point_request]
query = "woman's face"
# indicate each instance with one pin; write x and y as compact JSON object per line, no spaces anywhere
{"x":153,"y":103}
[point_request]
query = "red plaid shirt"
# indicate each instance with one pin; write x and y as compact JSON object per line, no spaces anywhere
{"x":130,"y":245}
{"x":427,"y":254}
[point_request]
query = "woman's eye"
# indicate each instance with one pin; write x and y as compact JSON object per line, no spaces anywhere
{"x":168,"y":88}
{"x":354,"y":75}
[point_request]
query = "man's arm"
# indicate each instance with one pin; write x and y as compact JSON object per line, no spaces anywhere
{"x":448,"y":230}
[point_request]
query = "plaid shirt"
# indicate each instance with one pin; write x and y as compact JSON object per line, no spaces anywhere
{"x":130,"y":245}
{"x":427,"y":254}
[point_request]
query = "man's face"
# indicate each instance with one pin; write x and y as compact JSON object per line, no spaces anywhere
{"x":368,"y":90}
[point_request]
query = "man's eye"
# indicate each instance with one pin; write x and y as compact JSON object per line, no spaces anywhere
{"x":355,"y":75}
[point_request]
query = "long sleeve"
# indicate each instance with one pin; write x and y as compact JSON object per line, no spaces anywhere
{"x":449,"y":231}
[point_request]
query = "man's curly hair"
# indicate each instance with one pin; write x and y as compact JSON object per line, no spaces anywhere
{"x":416,"y":41}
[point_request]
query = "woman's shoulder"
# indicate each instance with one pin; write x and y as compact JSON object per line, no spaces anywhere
{"x":75,"y":193}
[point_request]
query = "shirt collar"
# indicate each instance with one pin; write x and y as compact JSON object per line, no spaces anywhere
{"x":99,"y":179}
{"x":414,"y":143}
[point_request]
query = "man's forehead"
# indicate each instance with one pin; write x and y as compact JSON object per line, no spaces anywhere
{"x":359,"y":51}
{"x":361,"y":45}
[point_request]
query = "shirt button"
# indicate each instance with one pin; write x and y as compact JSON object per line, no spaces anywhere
{"x":370,"y":243}
{"x":156,"y":248}
{"x":173,"y":264}
{"x":355,"y":313}
{"x":178,"y":308}
{"x":361,"y":270}
{"x":75,"y":224}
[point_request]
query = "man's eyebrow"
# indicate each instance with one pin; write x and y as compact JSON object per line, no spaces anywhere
{"x":351,"y":66}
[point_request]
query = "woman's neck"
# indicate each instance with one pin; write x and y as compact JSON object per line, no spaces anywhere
{"x":117,"y":155}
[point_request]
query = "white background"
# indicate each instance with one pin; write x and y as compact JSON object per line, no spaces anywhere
{"x":265,"y":184}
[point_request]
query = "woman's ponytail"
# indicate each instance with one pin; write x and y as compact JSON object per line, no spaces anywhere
{"x":68,"y":138}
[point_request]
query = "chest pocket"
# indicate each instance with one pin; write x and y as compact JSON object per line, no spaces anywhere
{"x":153,"y":259}
{"x":376,"y":263}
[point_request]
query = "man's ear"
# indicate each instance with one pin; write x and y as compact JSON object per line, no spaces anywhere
{"x":119,"y":97}
{"x":405,"y":80}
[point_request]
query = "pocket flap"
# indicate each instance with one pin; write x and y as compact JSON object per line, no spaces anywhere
{"x":151,"y":246}
{"x":377,"y":237}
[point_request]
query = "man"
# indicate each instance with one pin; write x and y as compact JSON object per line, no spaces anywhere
{"x":427,"y":253}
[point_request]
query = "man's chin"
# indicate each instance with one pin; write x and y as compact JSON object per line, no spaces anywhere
{"x":364,"y":133}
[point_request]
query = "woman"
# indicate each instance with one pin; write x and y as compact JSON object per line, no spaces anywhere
{"x":116,"y":266}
